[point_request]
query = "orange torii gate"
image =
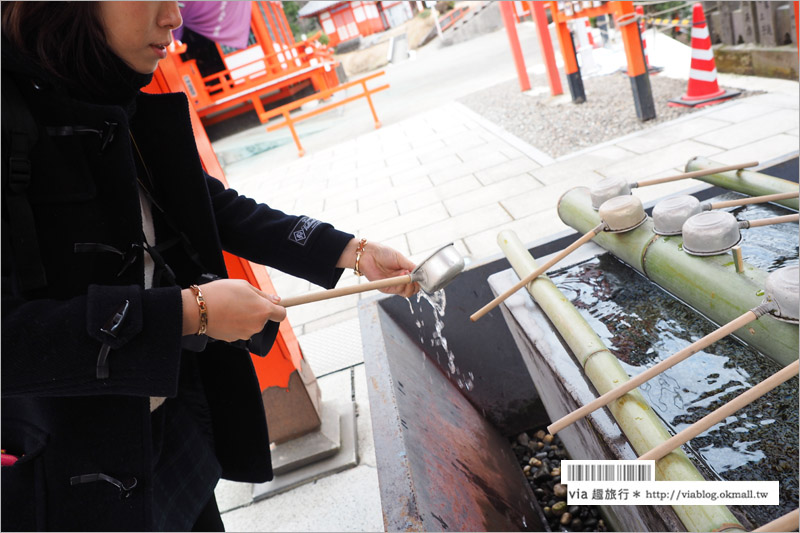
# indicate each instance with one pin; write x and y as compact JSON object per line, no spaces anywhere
{"x":625,"y":18}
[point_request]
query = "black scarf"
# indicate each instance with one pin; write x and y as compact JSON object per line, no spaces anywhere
{"x":121,"y":84}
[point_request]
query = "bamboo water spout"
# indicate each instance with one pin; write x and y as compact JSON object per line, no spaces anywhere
{"x":746,"y":182}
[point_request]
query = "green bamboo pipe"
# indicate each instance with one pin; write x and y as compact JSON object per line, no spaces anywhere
{"x":633,"y":414}
{"x":746,"y":182}
{"x":710,"y":285}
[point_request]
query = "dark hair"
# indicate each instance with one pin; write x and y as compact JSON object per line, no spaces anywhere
{"x":65,"y":38}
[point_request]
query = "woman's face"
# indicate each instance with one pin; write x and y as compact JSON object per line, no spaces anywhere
{"x":139,"y":32}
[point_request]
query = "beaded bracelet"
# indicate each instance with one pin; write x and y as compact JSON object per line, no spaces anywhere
{"x":201,"y":303}
{"x":359,"y":252}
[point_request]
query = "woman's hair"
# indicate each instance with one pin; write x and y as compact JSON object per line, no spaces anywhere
{"x":65,"y":38}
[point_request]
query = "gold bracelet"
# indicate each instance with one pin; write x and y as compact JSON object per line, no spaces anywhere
{"x":359,"y":252}
{"x":201,"y":303}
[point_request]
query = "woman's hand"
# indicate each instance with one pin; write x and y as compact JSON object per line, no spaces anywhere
{"x":236,"y":310}
{"x":380,"y":262}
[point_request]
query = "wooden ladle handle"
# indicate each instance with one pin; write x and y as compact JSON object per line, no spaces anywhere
{"x":344,"y":291}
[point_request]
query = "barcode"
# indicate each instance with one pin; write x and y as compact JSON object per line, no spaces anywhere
{"x":576,"y":471}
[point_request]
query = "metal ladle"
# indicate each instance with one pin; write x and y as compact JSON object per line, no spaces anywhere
{"x":717,"y":232}
{"x":670,"y":214}
{"x":782,"y":303}
{"x":617,"y":215}
{"x":432,"y":274}
{"x":611,"y":187}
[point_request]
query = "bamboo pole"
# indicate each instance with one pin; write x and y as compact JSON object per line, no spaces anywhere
{"x":635,"y":417}
{"x":787,"y":522}
{"x":721,"y":413}
{"x":745,"y":181}
{"x":709,"y":284}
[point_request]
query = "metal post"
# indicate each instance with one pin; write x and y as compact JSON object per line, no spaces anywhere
{"x":509,"y":20}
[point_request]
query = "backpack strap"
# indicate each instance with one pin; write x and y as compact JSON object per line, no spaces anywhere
{"x":20,"y":129}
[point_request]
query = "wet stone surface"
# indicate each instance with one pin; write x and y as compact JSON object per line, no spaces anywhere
{"x":540,"y":455}
{"x":642,"y":324}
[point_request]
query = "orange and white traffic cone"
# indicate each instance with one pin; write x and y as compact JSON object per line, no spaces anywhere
{"x":703,"y":87}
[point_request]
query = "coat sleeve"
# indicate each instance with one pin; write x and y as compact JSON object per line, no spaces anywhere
{"x":54,"y":347}
{"x":298,"y":245}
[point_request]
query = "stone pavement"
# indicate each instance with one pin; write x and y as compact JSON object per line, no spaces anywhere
{"x":449,"y":175}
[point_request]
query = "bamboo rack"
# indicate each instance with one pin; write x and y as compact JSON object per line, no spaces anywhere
{"x":635,"y":417}
{"x":710,"y":285}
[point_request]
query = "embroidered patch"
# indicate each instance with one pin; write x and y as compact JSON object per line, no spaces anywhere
{"x":303,"y":229}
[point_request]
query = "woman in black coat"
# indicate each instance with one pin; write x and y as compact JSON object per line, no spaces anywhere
{"x":113,"y":415}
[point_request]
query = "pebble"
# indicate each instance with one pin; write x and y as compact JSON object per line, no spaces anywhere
{"x":547,"y":439}
{"x":523,"y":439}
{"x":560,"y":490}
{"x":559,"y":508}
{"x":527,"y":470}
{"x":534,"y":462}
{"x":566,"y":518}
{"x":565,"y":127}
{"x":540,"y":434}
{"x":555,"y":472}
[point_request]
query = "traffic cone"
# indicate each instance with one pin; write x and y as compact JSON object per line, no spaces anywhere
{"x":703,"y":87}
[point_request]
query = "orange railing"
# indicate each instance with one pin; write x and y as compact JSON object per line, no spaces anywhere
{"x":290,"y":121}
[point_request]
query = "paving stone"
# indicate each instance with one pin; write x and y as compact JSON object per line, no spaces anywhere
{"x":763,"y":150}
{"x":659,"y":137}
{"x":751,"y":130}
{"x":529,"y":229}
{"x":433,"y":157}
{"x":409,"y":221}
{"x":491,"y":194}
{"x":505,"y":170}
{"x":438,"y":193}
{"x":582,"y":165}
{"x":740,"y":110}
{"x":348,"y":501}
{"x":543,"y":198}
{"x":358,"y":221}
{"x":457,"y":227}
{"x":644,"y":165}
{"x":474,"y":165}
{"x":400,"y":190}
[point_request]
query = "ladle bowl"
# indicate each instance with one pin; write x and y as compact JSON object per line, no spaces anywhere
{"x":783,"y":294}
{"x":606,"y":189}
{"x":622,"y":213}
{"x":669,"y":215}
{"x":716,"y":232}
{"x":710,"y":233}
{"x":439,"y":269}
{"x":432,"y":274}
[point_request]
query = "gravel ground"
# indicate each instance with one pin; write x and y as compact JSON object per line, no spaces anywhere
{"x":558,"y":127}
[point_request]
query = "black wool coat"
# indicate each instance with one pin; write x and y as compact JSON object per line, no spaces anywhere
{"x":57,"y":413}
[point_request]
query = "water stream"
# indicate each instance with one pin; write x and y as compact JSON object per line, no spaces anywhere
{"x":438,"y":342}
